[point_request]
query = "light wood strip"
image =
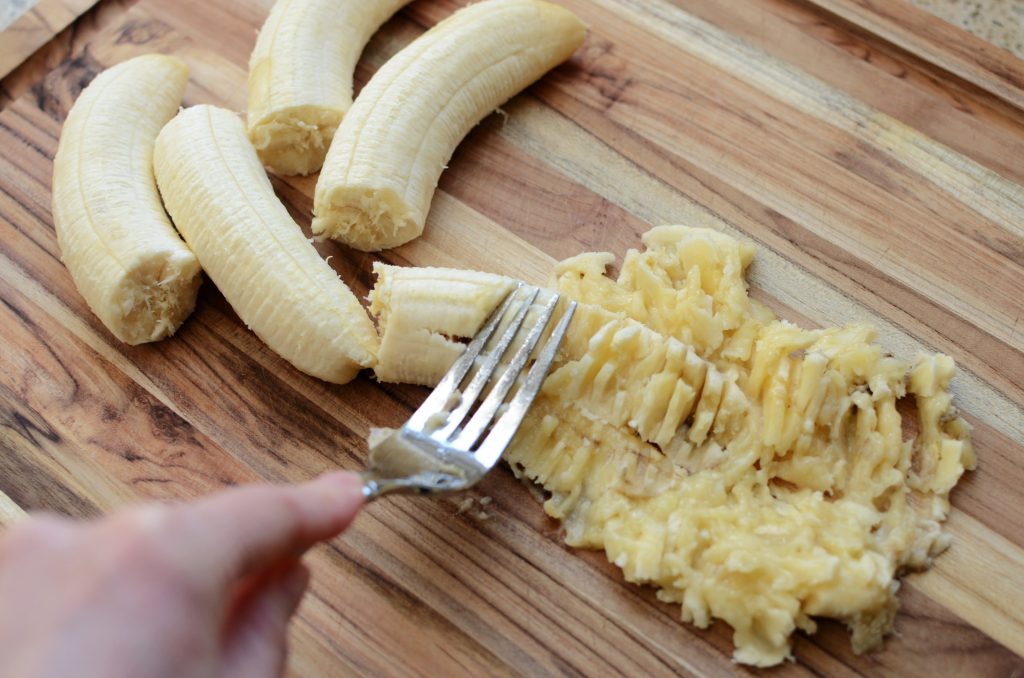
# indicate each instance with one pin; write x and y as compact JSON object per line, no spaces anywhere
{"x":977,"y":61}
{"x":849,"y":211}
{"x":10,"y":513}
{"x":459,"y":234}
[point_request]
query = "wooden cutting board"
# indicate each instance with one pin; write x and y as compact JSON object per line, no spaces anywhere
{"x":876,"y":184}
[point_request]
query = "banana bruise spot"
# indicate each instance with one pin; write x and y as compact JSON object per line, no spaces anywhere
{"x":122,"y":251}
{"x":219,"y":195}
{"x":380,"y":173}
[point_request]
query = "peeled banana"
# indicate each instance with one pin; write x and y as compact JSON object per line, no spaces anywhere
{"x":219,"y":195}
{"x":375,"y":189}
{"x":134,"y":271}
{"x":300,"y":77}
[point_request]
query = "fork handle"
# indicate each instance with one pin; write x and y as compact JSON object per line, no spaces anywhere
{"x":376,"y":485}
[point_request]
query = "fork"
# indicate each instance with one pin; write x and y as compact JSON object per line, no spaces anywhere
{"x":446,"y":446}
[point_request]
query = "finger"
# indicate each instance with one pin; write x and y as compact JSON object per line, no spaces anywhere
{"x":257,"y":642}
{"x":238,"y":532}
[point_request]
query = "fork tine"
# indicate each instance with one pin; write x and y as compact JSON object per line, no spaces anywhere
{"x":505,"y":428}
{"x":438,"y":399}
{"x":484,"y":415}
{"x":484,"y":374}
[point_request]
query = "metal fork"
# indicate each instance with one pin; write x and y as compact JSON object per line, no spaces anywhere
{"x":437,"y":449}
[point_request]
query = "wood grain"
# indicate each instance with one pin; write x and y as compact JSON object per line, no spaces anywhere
{"x":35,"y":28}
{"x":979,"y":62}
{"x":906,"y":215}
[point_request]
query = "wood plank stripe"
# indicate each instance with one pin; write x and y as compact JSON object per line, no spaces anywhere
{"x":979,"y":578}
{"x":938,"y":42}
{"x":976,"y":186}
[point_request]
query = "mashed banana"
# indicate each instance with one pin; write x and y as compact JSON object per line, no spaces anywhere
{"x":753,"y":471}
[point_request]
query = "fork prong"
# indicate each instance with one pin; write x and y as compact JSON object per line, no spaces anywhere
{"x":438,"y":399}
{"x":484,"y":415}
{"x":505,"y":428}
{"x":484,"y":374}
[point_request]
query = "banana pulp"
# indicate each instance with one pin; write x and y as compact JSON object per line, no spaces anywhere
{"x":753,"y":471}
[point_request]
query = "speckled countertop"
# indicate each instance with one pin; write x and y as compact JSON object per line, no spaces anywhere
{"x":1001,"y":22}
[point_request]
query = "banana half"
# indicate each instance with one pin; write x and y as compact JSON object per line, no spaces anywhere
{"x":423,"y":313}
{"x":221,"y":199}
{"x":300,"y":77}
{"x":124,"y":255}
{"x":379,"y":177}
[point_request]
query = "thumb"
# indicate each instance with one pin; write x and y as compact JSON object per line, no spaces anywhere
{"x":256,"y":645}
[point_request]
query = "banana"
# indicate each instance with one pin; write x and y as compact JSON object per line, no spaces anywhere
{"x":422,"y":312}
{"x":375,"y":189}
{"x":754,"y":471}
{"x":300,"y":77}
{"x":219,"y":195}
{"x":124,"y":255}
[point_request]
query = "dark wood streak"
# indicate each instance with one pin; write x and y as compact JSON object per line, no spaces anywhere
{"x":23,"y":479}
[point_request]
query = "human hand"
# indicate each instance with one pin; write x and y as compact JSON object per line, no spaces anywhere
{"x":205,"y":589}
